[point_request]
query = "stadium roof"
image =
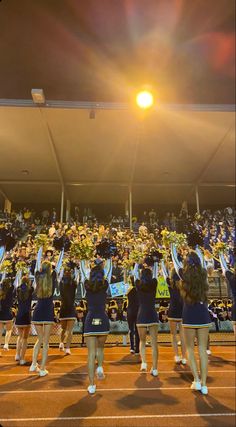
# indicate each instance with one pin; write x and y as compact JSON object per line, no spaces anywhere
{"x":164,"y":155}
{"x":92,"y":56}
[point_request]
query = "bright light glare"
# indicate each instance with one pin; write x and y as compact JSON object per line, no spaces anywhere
{"x":144,"y":99}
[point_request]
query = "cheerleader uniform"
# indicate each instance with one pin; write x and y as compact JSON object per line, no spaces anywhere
{"x":96,"y":321}
{"x":6,"y":314}
{"x":67,"y":292}
{"x":44,"y":309}
{"x":195,"y":315}
{"x":23,"y":317}
{"x":147,"y":315}
{"x":176,"y":303}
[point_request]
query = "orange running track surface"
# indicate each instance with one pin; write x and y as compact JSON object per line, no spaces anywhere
{"x":125,"y":397}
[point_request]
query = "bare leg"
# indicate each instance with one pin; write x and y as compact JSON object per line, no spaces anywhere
{"x":63,"y":330}
{"x":189,"y":334}
{"x":38,"y":343}
{"x":100,"y":349}
{"x":173,"y":331}
{"x":153,"y":332}
{"x":46,"y":335}
{"x":9,"y":326}
{"x":91,"y":344}
{"x":18,"y":344}
{"x":183,"y":346}
{"x":25,"y":334}
{"x":142,"y":331}
{"x":69,"y":332}
{"x":202,"y":334}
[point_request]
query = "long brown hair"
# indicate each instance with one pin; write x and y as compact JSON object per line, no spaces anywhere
{"x":23,"y":291}
{"x":194,"y":285}
{"x":4,"y":288}
{"x":44,"y":281}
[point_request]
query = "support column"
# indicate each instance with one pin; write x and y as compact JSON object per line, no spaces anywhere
{"x":7,"y":206}
{"x":62,"y":203}
{"x":68,"y":206}
{"x":130,"y":208}
{"x":197,"y":199}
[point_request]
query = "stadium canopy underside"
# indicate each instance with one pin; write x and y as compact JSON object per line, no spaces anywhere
{"x":97,"y":153}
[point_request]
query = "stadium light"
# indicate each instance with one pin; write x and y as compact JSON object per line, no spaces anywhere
{"x":38,"y":96}
{"x":144,"y":99}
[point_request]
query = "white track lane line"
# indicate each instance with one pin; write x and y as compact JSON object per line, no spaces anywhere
{"x":83,"y":390}
{"x":112,"y":373}
{"x":118,"y":417}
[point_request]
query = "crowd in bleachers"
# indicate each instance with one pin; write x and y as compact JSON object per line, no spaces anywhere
{"x":18,"y":231}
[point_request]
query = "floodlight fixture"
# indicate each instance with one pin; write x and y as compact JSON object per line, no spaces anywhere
{"x":144,"y":99}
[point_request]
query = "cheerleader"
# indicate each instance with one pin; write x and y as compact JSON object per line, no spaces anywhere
{"x":43,"y":315}
{"x":230,"y":277}
{"x":175,"y":317}
{"x":147,"y":317}
{"x":196,"y":318}
{"x":132,"y":312}
{"x":67,"y":315}
{"x":24,"y":294}
{"x":97,"y":325}
{"x":7,"y":293}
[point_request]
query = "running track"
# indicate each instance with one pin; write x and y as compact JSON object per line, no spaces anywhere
{"x":124,"y":398}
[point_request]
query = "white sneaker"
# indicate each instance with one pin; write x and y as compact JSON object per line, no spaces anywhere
{"x":184,"y":361}
{"x":208,"y":352}
{"x":143,"y":367}
{"x":91,"y":389}
{"x":17,"y":357}
{"x":177,"y":359}
{"x":100,"y":373}
{"x":34,"y":368}
{"x":43,"y":372}
{"x":67,"y":351}
{"x":132,"y":351}
{"x":61,"y":346}
{"x":154,"y":372}
{"x":204,"y":390}
{"x":196,"y":385}
{"x":23,"y":362}
{"x":5,"y":347}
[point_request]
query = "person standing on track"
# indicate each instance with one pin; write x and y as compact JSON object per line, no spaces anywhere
{"x":231,"y":279}
{"x":147,"y":317}
{"x":7,"y":293}
{"x":43,"y":315}
{"x":196,"y":318}
{"x":67,"y":315}
{"x":24,"y":293}
{"x":175,"y":317}
{"x":132,"y":312}
{"x":97,"y":325}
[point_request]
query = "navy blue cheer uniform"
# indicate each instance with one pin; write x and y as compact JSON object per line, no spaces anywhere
{"x":67,"y":292}
{"x":44,"y":309}
{"x":97,"y":321}
{"x":195,"y":315}
{"x":176,"y":302}
{"x":6,"y":314}
{"x":132,"y":313}
{"x":147,"y":314}
{"x":23,"y":317}
{"x":232,"y":283}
